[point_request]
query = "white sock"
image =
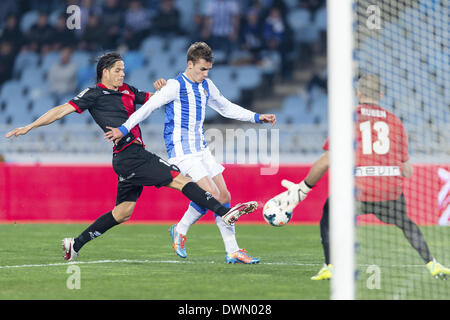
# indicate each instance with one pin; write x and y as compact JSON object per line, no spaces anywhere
{"x":191,"y":216}
{"x":228,"y":235}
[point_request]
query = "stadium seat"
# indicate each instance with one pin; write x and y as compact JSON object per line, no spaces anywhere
{"x":220,"y":56}
{"x":298,"y":19}
{"x":291,"y":4}
{"x":86,"y":76}
{"x":210,"y":114}
{"x":179,"y":45}
{"x":49,"y":59}
{"x":28,"y":20}
{"x":81,"y":58}
{"x":179,"y":63}
{"x":187,"y":10}
{"x":38,"y":91}
{"x":248,"y":77}
{"x":320,"y":19}
{"x":152,"y":45}
{"x":42,"y":105}
{"x":18,"y":111}
{"x":12,"y":88}
{"x":221,"y":75}
{"x":25,"y":59}
{"x":140,"y":78}
{"x":53,"y":17}
{"x":133,"y":60}
{"x":230,"y":91}
{"x":32,"y":77}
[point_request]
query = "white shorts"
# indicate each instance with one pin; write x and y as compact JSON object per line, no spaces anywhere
{"x":198,"y":165}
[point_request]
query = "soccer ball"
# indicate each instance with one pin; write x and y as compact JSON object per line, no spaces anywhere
{"x":275,"y":215}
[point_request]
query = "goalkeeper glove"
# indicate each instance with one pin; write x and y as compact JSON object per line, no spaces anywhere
{"x":296,"y":192}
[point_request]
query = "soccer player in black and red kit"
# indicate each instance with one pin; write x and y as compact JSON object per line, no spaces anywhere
{"x":110,"y":103}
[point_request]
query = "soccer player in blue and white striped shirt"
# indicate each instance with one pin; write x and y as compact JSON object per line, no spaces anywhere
{"x":186,"y":98}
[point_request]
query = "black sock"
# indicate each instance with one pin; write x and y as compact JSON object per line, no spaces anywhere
{"x":203,"y":198}
{"x":325,"y":233}
{"x":100,"y":226}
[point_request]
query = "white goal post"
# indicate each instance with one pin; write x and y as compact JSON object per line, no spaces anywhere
{"x":341,"y":133}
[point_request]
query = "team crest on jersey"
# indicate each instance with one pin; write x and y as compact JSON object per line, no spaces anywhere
{"x":126,"y":91}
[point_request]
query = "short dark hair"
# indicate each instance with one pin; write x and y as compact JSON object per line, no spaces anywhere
{"x":107,"y":61}
{"x":370,"y":86}
{"x":199,"y":50}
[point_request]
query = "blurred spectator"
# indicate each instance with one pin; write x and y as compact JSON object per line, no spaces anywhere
{"x":167,"y":18}
{"x":112,"y":18}
{"x":312,"y":5}
{"x":62,"y":36}
{"x":222,"y":24}
{"x":137,"y":24}
{"x":198,"y":21}
{"x":317,"y":81}
{"x":12,"y":33}
{"x":93,"y":37}
{"x":7,"y":57}
{"x":277,"y":38}
{"x":251,"y":34}
{"x":87,"y":8}
{"x":7,"y":7}
{"x":39,"y":37}
{"x":2,"y":158}
{"x":274,"y":29}
{"x":62,"y":76}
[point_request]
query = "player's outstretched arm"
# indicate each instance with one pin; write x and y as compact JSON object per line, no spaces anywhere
{"x":47,"y":118}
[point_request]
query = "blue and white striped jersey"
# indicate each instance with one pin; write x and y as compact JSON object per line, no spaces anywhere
{"x":185,"y":103}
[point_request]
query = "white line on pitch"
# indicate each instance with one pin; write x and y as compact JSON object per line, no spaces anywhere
{"x":175,"y":262}
{"x":140,"y":261}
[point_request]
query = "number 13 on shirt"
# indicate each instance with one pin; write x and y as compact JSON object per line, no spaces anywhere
{"x":382,"y":144}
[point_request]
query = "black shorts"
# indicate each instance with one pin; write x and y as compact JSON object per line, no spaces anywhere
{"x":136,"y":168}
{"x":390,"y":211}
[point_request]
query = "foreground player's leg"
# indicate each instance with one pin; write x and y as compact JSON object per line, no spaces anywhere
{"x":204,"y":199}
{"x":437,"y":270}
{"x":194,"y":212}
{"x":72,"y":246}
{"x":326,"y":272}
{"x":233,"y":253}
{"x":121,"y":213}
{"x":179,"y":231}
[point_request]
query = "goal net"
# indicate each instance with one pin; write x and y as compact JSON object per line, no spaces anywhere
{"x":401,"y":49}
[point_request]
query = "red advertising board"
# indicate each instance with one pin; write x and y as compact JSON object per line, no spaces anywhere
{"x":68,"y":193}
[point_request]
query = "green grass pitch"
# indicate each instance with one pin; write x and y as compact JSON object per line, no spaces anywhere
{"x":136,"y":261}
